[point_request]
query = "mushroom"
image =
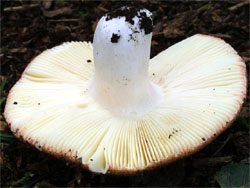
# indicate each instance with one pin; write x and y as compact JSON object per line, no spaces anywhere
{"x":112,"y":109}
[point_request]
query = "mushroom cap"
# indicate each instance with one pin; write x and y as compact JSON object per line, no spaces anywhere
{"x":204,"y":85}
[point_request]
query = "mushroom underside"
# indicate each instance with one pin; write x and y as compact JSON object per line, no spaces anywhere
{"x":203,"y":81}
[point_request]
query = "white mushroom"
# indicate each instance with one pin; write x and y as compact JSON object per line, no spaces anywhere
{"x":121,"y":82}
{"x":114,"y":110}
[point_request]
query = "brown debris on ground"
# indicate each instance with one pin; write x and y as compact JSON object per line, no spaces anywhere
{"x":30,"y":27}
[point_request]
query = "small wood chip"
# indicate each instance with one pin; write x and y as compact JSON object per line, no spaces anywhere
{"x":18,"y":50}
{"x":47,"y":4}
{"x":3,"y":126}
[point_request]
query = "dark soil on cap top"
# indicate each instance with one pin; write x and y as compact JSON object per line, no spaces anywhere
{"x":129,"y":13}
{"x":115,"y":38}
{"x":27,"y":31}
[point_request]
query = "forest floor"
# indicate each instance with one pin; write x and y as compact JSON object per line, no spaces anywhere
{"x":28,"y":28}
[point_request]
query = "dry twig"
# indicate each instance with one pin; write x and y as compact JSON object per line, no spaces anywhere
{"x":225,"y":36}
{"x":222,"y":146}
{"x":57,"y":12}
{"x":65,"y":20}
{"x":235,"y":7}
{"x":213,"y":161}
{"x":20,"y":8}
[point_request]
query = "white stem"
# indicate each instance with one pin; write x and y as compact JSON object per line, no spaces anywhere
{"x":121,"y":56}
